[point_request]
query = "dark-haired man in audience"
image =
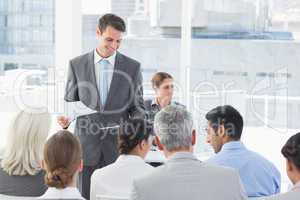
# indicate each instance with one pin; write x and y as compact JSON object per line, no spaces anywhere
{"x":259,"y":176}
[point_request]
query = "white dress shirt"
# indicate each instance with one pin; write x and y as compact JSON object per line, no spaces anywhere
{"x":116,"y":179}
{"x":66,"y":193}
{"x":111,"y":60}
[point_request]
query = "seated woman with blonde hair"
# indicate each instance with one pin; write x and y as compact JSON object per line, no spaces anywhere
{"x":62,"y":163}
{"x":20,"y":171}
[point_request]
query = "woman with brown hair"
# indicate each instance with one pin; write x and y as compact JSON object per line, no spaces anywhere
{"x":115,"y":180}
{"x":162,"y":84}
{"x":62,"y":162}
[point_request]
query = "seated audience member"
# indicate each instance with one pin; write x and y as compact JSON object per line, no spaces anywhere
{"x":183,"y":176}
{"x":162,"y":84}
{"x":134,"y":142}
{"x":62,"y":163}
{"x":259,"y":176}
{"x":20,"y":171}
{"x":291,"y":152}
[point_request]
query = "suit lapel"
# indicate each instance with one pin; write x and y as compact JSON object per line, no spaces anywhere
{"x":114,"y":81}
{"x":92,"y":77}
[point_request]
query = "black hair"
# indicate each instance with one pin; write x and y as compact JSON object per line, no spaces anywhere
{"x":291,"y":150}
{"x":229,"y":117}
{"x":132,"y":133}
{"x":111,"y":20}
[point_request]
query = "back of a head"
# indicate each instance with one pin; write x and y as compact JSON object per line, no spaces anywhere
{"x":62,"y":156}
{"x":132,"y":133}
{"x":25,"y":141}
{"x":111,"y":20}
{"x":229,"y":117}
{"x":291,"y":150}
{"x":174,"y":125}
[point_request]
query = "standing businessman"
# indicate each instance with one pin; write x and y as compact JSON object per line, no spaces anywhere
{"x":110,"y":83}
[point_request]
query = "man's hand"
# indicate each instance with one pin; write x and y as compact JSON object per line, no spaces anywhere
{"x":63,"y":121}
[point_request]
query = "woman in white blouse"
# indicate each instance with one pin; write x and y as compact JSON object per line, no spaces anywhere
{"x":134,"y":143}
{"x":291,"y":151}
{"x":62,"y":162}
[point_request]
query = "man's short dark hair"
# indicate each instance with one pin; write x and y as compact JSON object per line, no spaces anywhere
{"x":132,"y":133}
{"x":291,"y":150}
{"x":111,"y":20}
{"x":229,"y":117}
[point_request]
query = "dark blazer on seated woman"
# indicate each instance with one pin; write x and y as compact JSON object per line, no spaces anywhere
{"x":26,"y":185}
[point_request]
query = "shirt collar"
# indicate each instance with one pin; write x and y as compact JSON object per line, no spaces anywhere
{"x":129,"y":158}
{"x":68,"y":192}
{"x":182,"y":155}
{"x":110,"y":59}
{"x":233,"y":145}
{"x":155,"y":103}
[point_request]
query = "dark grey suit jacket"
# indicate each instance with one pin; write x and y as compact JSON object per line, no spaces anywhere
{"x":27,"y":185}
{"x":124,"y":100}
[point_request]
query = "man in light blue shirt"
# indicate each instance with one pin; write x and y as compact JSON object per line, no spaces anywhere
{"x":259,"y":176}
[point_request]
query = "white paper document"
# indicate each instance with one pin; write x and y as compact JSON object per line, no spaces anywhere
{"x":76,"y":109}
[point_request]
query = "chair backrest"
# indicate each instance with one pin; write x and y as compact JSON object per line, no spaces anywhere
{"x":108,"y":197}
{"x":7,"y":197}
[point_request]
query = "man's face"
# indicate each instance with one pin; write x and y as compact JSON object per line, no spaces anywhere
{"x":109,"y":41}
{"x":214,"y":138}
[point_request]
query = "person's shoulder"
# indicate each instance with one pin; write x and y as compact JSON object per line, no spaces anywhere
{"x":81,"y":58}
{"x":129,"y":60}
{"x":219,"y":168}
{"x":154,"y":174}
{"x":290,"y":195}
{"x":216,"y":159}
{"x":103,"y":171}
{"x":261,"y":160}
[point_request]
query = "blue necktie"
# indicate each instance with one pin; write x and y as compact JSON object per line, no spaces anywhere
{"x":103,"y":79}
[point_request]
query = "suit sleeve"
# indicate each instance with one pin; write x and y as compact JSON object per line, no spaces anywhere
{"x":71,"y":91}
{"x":137,"y":107}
